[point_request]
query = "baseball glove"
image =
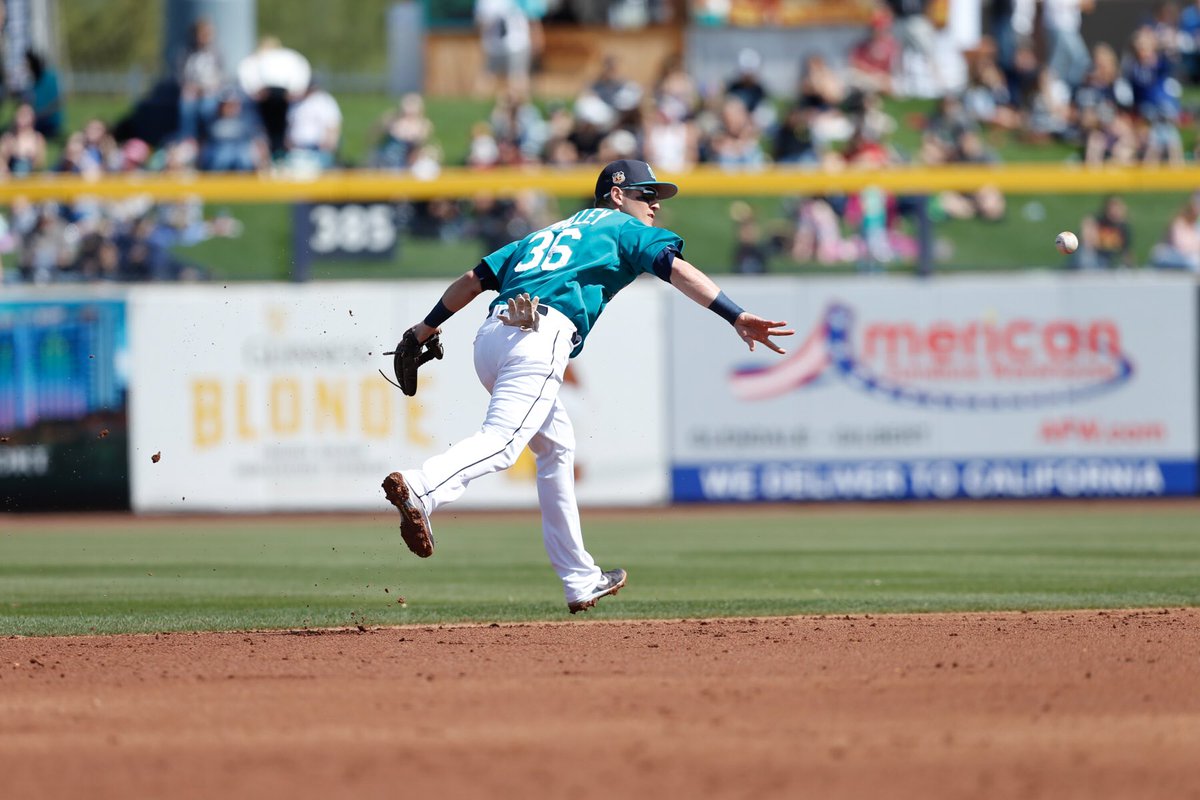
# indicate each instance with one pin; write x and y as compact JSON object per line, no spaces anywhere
{"x":408,"y":357}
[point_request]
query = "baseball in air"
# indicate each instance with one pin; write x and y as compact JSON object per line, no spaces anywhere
{"x":1066,"y":242}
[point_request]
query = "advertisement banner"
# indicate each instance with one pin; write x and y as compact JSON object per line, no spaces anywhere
{"x":63,"y":385}
{"x":1022,"y":386}
{"x":269,"y":397}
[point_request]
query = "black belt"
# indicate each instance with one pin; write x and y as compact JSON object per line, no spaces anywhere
{"x":542,"y":309}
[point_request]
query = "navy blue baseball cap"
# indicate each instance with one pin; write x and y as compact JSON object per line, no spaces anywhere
{"x":628,"y":172}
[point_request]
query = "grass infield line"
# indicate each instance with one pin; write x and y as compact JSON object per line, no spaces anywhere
{"x":264,"y":573}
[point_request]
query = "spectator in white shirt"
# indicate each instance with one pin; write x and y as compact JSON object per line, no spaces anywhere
{"x":314,"y":128}
{"x":1061,"y":19}
{"x":201,"y":77}
{"x":274,"y":77}
{"x":504,"y":33}
{"x":1180,"y":246}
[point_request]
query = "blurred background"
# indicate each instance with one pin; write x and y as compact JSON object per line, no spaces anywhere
{"x":160,"y":160}
{"x":178,"y":85}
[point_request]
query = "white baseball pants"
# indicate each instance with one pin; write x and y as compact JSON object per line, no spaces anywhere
{"x":523,"y":370}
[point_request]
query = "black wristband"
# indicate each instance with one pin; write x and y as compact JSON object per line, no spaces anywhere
{"x":438,"y":315}
{"x":726,"y":308}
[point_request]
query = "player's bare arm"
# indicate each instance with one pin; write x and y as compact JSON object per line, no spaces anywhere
{"x":456,"y":297}
{"x":420,"y":343}
{"x":701,"y":289}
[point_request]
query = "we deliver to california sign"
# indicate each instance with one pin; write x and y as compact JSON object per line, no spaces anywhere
{"x":1026,"y":386}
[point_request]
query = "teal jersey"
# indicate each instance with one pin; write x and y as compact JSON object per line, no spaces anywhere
{"x":577,"y":265}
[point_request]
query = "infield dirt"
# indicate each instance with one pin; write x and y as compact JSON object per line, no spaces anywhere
{"x":1090,"y":704}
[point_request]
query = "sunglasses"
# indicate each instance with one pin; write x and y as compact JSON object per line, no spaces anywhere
{"x":647,"y":196}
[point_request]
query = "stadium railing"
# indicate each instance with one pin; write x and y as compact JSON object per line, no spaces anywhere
{"x":363,"y":186}
{"x":454,"y":182}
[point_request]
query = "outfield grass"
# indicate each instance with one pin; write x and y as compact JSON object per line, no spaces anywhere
{"x":80,"y":577}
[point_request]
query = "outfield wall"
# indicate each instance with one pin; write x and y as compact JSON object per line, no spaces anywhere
{"x":989,"y":386}
{"x":267,"y":397}
{"x":64,"y":380}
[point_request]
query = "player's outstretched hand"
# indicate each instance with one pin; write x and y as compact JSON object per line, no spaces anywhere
{"x":522,"y":312}
{"x":756,"y":329}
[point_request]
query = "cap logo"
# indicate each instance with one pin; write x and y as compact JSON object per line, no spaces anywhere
{"x":618,"y":178}
{"x":653,"y":177}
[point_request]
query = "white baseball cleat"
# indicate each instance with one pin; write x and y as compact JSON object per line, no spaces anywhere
{"x":610,"y":583}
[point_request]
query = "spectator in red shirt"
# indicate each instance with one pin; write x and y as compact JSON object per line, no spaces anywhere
{"x":873,"y":60}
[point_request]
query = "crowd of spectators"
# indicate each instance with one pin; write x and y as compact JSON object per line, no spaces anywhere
{"x":1031,"y":81}
{"x":1025,"y":85}
{"x":268,"y":113}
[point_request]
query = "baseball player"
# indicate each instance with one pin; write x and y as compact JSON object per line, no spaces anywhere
{"x":553,"y":285}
